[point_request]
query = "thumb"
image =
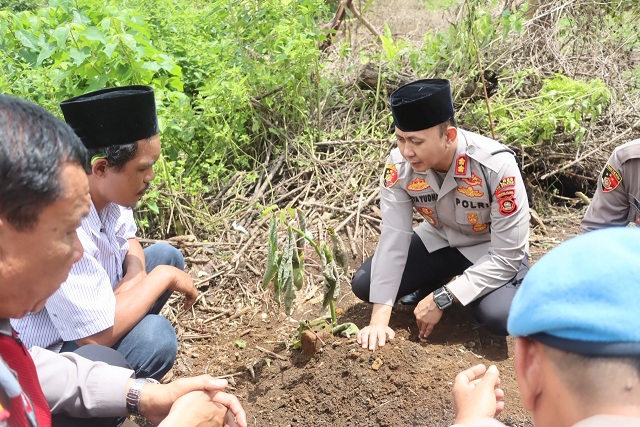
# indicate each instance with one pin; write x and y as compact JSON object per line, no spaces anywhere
{"x":491,"y":378}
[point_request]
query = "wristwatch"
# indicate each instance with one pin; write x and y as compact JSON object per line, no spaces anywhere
{"x":443,"y":298}
{"x":133,"y":395}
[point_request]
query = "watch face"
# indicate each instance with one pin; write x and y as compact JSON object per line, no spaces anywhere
{"x":442,"y":299}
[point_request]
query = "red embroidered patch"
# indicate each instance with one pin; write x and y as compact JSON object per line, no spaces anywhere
{"x":508,"y":181}
{"x":507,"y":202}
{"x":390,"y":175}
{"x":611,"y":178}
{"x":461,"y":165}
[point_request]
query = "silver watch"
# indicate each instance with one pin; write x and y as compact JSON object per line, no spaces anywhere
{"x":443,"y":298}
{"x":133,"y":395}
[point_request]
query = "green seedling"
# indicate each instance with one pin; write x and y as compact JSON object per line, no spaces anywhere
{"x":286,"y":263}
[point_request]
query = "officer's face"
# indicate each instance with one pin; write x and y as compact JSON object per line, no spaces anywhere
{"x":33,"y":263}
{"x":428,"y":148}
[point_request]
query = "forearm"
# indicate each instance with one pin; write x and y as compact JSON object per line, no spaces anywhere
{"x":380,"y":314}
{"x":131,"y":306}
{"x":133,"y":266}
{"x":79,"y":387}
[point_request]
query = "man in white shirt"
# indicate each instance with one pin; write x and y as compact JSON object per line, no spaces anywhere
{"x":577,"y":349}
{"x":44,"y":194}
{"x":114,"y":294}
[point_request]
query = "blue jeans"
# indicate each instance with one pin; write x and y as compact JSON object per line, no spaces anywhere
{"x":151,"y":346}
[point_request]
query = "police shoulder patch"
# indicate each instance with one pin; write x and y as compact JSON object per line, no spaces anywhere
{"x":611,"y":178}
{"x":390,"y":175}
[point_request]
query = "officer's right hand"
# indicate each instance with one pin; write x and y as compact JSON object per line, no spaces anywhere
{"x":378,"y":330}
{"x":374,"y":334}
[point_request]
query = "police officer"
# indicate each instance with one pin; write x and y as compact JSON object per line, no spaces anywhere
{"x":469,"y":191}
{"x":617,"y":198}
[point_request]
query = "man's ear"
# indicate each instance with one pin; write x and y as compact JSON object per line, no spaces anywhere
{"x":528,"y":369}
{"x":451,"y":133}
{"x":99,"y":167}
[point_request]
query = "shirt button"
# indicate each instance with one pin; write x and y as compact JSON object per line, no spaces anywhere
{"x":471,"y":149}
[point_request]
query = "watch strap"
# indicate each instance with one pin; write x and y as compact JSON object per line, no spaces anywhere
{"x":133,"y":395}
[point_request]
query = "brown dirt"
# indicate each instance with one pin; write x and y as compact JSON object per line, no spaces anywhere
{"x":406,"y":383}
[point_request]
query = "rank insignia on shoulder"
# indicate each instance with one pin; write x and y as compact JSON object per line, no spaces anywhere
{"x":611,"y":178}
{"x":390,"y":175}
{"x":461,"y":165}
{"x":418,"y":184}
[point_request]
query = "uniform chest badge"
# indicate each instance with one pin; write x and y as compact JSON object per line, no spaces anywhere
{"x":480,"y":227}
{"x":418,"y":184}
{"x":390,"y":175}
{"x":461,"y":165}
{"x":470,"y":192}
{"x":426,"y":214}
{"x":611,"y":178}
{"x":474,"y":180}
{"x":472,"y":217}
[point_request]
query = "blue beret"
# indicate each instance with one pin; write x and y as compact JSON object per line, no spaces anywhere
{"x":584,"y":296}
{"x":422,"y":104}
{"x":113,"y":116}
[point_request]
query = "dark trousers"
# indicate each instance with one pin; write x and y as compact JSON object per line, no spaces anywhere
{"x":97,"y":353}
{"x":427,"y":272}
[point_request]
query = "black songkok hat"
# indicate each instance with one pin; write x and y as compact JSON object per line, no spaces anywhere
{"x":422,"y":104}
{"x":113,"y":116}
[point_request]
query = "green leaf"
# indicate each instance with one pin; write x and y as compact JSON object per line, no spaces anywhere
{"x":241,"y":344}
{"x":61,"y":34}
{"x":287,"y":266}
{"x":45,"y":53}
{"x":272,"y":255}
{"x":78,"y":56}
{"x":339,"y":251}
{"x":94,"y":34}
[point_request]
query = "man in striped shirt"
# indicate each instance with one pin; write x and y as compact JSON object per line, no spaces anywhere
{"x":114,"y":294}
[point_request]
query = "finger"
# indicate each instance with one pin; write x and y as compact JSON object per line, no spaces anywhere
{"x":364,"y":338}
{"x":491,"y":377}
{"x":232,"y":402}
{"x":499,"y":394}
{"x":391,"y":333}
{"x":499,"y":407}
{"x":382,"y":338}
{"x":373,"y":340}
{"x":230,"y":420}
{"x":469,"y":375}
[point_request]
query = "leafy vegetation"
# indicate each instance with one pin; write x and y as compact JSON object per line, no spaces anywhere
{"x":239,"y":83}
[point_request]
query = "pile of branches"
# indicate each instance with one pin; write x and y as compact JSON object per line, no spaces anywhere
{"x":336,"y":182}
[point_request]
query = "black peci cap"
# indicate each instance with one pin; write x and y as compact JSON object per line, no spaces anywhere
{"x":422,"y":104}
{"x":113,"y":116}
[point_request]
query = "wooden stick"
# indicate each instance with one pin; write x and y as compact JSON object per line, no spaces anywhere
{"x":589,"y":153}
{"x":271,"y":353}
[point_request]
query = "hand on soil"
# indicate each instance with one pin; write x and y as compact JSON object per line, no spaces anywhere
{"x":427,"y":316}
{"x":374,"y":334}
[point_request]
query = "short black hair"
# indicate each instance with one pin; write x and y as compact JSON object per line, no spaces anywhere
{"x":34,"y":144}
{"x":116,"y":155}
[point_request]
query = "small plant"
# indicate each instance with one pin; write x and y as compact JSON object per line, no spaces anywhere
{"x":286,"y":269}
